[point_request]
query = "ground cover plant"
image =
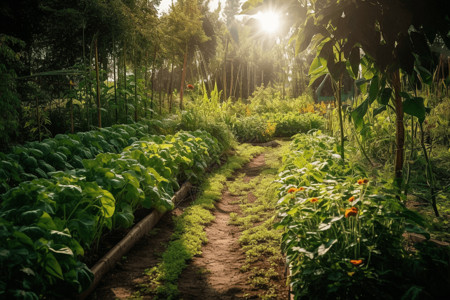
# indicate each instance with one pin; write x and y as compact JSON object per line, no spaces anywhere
{"x":259,"y":239}
{"x":47,"y":223}
{"x":343,"y":231}
{"x":189,"y":232}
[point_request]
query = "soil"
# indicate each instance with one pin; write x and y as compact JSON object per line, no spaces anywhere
{"x":215,"y":274}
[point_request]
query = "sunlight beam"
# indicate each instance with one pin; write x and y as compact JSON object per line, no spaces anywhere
{"x":269,"y":21}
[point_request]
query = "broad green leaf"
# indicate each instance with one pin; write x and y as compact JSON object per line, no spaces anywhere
{"x":373,"y":90}
{"x":359,"y":113}
{"x":385,"y":96}
{"x":415,"y":107}
{"x":336,"y":70}
{"x":22,"y":237}
{"x":324,"y":248}
{"x":317,"y":69}
{"x":52,"y":266}
{"x":354,"y":59}
{"x":379,"y":110}
{"x":307,"y":253}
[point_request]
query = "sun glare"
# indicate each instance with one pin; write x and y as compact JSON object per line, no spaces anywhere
{"x":269,"y":21}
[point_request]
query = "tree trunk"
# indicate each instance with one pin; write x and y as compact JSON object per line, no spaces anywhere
{"x":225,"y":72}
{"x":248,"y":80}
{"x":341,"y":121}
{"x":125,"y":82}
{"x":400,"y":130}
{"x":183,"y":77}
{"x":146,"y":84}
{"x":232,"y":77}
{"x":99,"y":112}
{"x":169,"y":92}
{"x":115,"y":87}
{"x":38,"y":119}
{"x":153,"y":80}
{"x":72,"y":129}
{"x":238,"y":78}
{"x":135,"y":92}
{"x":205,"y":66}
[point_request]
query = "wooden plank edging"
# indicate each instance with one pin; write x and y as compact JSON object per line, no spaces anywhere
{"x":107,"y":262}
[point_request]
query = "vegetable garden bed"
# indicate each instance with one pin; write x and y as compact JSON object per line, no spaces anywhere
{"x":47,"y":223}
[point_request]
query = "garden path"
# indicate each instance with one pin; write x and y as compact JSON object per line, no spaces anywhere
{"x":216,"y":273}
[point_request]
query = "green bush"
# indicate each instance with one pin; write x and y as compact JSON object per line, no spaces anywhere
{"x":289,"y":124}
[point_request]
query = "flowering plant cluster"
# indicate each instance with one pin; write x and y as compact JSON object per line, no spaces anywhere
{"x":342,"y":232}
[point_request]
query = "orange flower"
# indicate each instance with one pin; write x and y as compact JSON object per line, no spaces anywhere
{"x":351,"y":212}
{"x":363,"y":181}
{"x":301,"y":189}
{"x":292,"y":190}
{"x":356,"y":262}
{"x":190,"y":86}
{"x":313,"y":200}
{"x":351,"y":199}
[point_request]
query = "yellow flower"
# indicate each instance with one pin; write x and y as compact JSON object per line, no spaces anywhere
{"x":350,"y":273}
{"x":301,"y":189}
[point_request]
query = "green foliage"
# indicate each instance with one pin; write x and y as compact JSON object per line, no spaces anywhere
{"x":46,"y":223}
{"x":289,"y":124}
{"x":343,"y":237}
{"x":66,"y":152}
{"x":9,"y":66}
{"x":253,"y":129}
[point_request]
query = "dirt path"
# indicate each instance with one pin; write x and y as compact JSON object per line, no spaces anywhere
{"x":215,"y":274}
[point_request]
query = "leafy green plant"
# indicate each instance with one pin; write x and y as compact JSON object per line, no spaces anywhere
{"x":45,"y":224}
{"x":291,"y":123}
{"x":342,"y":232}
{"x":66,"y":152}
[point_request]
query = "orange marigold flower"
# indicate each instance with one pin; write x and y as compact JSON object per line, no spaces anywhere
{"x":356,"y":262}
{"x":313,"y":200}
{"x":366,"y":180}
{"x":190,"y":86}
{"x":351,"y":199}
{"x":351,"y":212}
{"x":292,"y":190}
{"x":301,"y":189}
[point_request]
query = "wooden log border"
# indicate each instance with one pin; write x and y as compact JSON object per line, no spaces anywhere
{"x":107,"y":262}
